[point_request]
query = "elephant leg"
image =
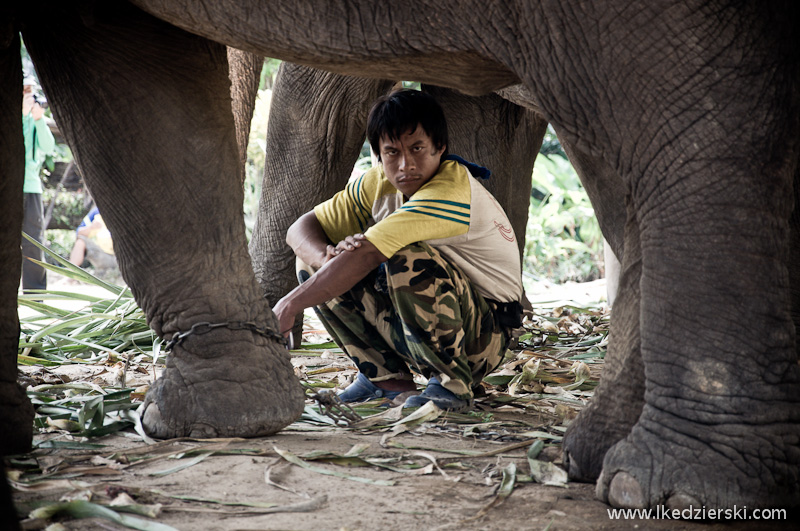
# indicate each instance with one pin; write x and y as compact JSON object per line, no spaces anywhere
{"x":16,"y":412}
{"x":500,"y":135}
{"x":794,"y":258}
{"x":9,"y":520}
{"x":317,"y":126}
{"x":147,"y":110}
{"x":245,"y":73}
{"x":619,"y":398}
{"x":720,"y":424}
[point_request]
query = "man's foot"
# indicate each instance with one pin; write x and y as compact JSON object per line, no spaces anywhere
{"x":435,"y":392}
{"x":362,"y":389}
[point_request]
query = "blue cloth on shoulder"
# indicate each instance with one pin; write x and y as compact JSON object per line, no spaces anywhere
{"x":88,"y":218}
{"x":477,"y":171}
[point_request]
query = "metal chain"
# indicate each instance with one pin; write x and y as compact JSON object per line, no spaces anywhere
{"x":206,"y":327}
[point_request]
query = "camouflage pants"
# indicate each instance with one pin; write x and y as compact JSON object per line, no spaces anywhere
{"x":417,"y":312}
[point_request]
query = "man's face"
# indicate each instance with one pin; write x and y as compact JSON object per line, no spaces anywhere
{"x":410,"y":161}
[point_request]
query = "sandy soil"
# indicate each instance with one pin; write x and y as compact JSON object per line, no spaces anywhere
{"x":450,"y":498}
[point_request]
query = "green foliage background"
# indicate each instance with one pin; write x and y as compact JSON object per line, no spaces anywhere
{"x":563,"y":240}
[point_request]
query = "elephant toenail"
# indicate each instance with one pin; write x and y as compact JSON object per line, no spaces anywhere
{"x":601,"y":488}
{"x":625,"y":492}
{"x":203,"y":431}
{"x":682,"y":501}
{"x":573,"y":470}
{"x":152,"y":421}
{"x":566,"y":459}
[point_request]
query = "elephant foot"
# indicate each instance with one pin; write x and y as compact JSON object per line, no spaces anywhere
{"x":609,"y":418}
{"x":589,"y":437}
{"x":16,"y":419}
{"x":682,"y":466}
{"x":229,"y":388}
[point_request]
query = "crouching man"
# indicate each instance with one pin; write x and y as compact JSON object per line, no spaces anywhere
{"x":413,"y":267}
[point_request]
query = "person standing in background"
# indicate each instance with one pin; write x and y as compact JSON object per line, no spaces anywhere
{"x":39,"y":142}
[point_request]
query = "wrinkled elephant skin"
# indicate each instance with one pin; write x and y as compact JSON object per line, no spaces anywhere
{"x":692,"y":105}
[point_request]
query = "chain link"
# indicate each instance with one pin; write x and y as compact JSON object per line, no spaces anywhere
{"x":206,"y":327}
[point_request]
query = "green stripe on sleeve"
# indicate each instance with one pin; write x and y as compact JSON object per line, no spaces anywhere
{"x":440,"y":201}
{"x":431,"y":214}
{"x":419,"y":209}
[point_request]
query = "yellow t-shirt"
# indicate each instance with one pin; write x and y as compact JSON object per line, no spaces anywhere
{"x":452,"y":212}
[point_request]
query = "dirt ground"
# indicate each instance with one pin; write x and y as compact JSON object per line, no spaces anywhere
{"x":450,"y":498}
{"x":468,"y":471}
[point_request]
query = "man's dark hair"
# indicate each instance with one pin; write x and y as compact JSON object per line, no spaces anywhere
{"x":401,"y":111}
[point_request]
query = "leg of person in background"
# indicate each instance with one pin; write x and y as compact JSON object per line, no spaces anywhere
{"x":33,"y":276}
{"x":78,"y":253}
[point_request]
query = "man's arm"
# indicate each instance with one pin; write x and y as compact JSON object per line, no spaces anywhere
{"x":308,"y":240}
{"x":334,"y":278}
{"x":44,"y":137}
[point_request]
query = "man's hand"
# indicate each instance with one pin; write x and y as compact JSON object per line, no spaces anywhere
{"x":37,"y":112}
{"x":27,"y":103}
{"x":285,"y":317}
{"x":351,"y":243}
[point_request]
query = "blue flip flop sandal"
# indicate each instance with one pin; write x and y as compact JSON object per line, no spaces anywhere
{"x":440,"y":396}
{"x":362,"y":389}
